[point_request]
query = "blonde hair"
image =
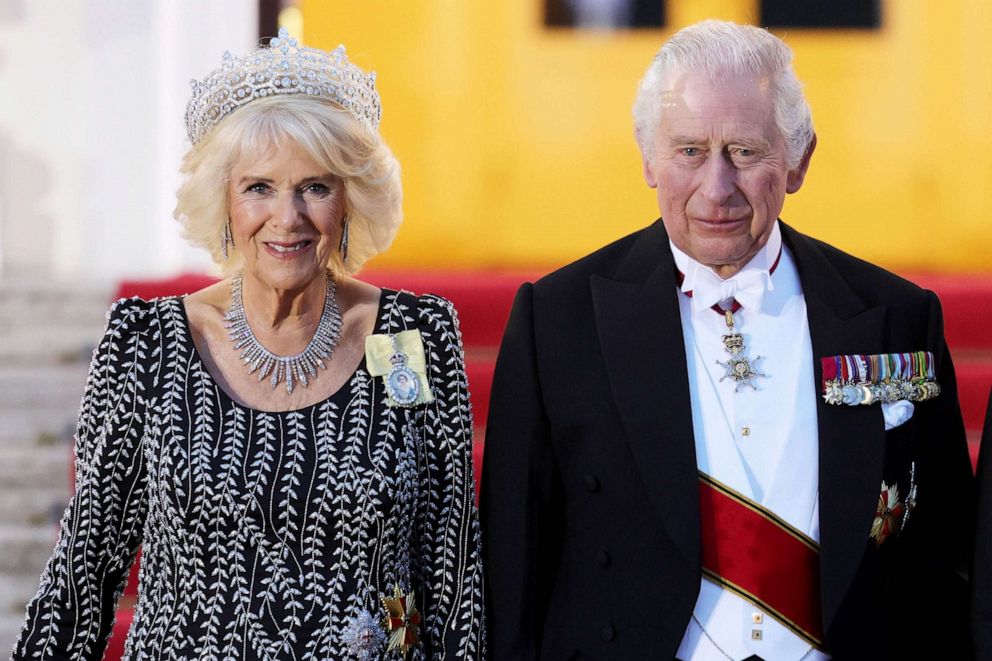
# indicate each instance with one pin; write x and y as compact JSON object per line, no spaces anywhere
{"x":720,"y":48}
{"x":331,"y":136}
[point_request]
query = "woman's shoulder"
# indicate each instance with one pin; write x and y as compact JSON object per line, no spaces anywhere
{"x":426,"y":311}
{"x":135,"y":315}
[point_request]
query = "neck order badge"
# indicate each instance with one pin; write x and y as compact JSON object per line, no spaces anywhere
{"x":739,"y":367}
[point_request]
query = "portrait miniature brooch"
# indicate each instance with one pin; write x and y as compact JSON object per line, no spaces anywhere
{"x":401,"y":362}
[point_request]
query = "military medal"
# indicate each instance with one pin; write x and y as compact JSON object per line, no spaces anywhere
{"x":886,"y":378}
{"x":402,"y":383}
{"x":738,"y":366}
{"x":888,"y":514}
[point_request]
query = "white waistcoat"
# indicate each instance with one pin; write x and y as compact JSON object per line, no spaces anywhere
{"x":762,"y":443}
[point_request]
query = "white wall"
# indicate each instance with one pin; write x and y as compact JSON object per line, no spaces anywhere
{"x":92,"y":96}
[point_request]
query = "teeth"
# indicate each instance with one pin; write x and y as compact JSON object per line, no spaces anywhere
{"x":295,"y":246}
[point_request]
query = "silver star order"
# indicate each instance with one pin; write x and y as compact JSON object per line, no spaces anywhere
{"x":739,"y":369}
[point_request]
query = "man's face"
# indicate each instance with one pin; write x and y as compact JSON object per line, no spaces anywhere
{"x":720,"y":167}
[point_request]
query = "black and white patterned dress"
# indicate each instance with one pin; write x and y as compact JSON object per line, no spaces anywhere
{"x":264,"y":535}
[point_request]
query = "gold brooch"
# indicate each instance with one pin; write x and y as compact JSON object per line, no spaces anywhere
{"x":402,"y":620}
{"x":888,"y":514}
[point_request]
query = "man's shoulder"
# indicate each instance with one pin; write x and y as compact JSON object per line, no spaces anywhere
{"x":605,"y":261}
{"x":873,"y":284}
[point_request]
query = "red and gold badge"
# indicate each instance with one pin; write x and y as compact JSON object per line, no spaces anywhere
{"x":402,"y":620}
{"x":888,"y":514}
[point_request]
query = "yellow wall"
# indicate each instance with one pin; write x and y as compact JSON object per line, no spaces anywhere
{"x":517,"y":148}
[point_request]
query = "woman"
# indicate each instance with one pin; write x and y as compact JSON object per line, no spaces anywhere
{"x":291,"y":502}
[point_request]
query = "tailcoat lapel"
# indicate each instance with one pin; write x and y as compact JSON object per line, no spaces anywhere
{"x":640,"y":332}
{"x":851,"y":439}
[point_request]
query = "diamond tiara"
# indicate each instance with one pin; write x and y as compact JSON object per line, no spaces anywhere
{"x":284,"y":67}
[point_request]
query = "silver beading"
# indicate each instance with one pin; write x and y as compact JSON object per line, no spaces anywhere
{"x":288,"y":368}
{"x":284,"y":67}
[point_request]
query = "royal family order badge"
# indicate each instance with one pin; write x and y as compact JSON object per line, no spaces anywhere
{"x":401,"y":361}
{"x":402,"y":384}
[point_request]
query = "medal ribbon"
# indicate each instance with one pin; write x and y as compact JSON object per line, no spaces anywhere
{"x":879,"y":368}
{"x":750,"y":551}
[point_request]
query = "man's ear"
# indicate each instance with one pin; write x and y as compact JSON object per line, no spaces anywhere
{"x":649,"y":175}
{"x":797,"y":175}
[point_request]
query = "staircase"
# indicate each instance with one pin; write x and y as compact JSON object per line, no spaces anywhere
{"x":47,"y":334}
{"x":967,"y":305}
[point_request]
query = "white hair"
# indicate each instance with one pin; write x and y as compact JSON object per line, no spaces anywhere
{"x":720,"y":49}
{"x":331,"y":136}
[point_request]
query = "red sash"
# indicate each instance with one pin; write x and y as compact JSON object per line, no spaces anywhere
{"x":761,"y":558}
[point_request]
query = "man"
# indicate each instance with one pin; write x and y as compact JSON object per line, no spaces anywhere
{"x":717,"y":437}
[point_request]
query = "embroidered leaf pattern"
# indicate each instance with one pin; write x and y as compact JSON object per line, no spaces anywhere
{"x":263,"y":535}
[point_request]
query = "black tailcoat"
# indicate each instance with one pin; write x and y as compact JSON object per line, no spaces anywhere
{"x":589,"y":490}
{"x":982,"y":586}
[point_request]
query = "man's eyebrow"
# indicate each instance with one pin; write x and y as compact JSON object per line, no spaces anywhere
{"x":756,"y":141}
{"x":685,"y":138}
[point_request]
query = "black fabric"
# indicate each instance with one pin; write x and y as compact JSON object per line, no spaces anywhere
{"x":982,"y":588}
{"x":591,"y":382}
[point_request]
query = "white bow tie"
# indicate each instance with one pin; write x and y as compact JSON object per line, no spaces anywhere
{"x":747,"y":288}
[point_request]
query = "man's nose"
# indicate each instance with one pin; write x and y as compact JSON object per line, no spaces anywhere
{"x":719,"y":178}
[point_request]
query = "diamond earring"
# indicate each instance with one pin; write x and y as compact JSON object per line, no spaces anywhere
{"x":226,"y":239}
{"x":343,"y":246}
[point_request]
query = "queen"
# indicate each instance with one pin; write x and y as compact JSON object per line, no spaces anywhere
{"x":290,"y":502}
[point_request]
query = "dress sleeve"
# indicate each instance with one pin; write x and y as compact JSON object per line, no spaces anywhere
{"x":449,"y":546}
{"x":72,"y":614}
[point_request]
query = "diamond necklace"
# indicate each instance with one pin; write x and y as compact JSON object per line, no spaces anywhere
{"x":276,"y":367}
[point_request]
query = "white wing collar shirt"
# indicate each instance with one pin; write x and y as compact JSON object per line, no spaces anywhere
{"x":760,"y":441}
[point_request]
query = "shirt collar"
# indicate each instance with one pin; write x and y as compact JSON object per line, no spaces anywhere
{"x":694,"y":272}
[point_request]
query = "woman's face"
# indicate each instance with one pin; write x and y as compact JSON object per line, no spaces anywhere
{"x":285,"y":215}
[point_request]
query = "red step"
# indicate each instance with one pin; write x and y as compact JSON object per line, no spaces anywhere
{"x":184,"y":283}
{"x":480,"y":381}
{"x":967,"y":304}
{"x":483,"y":298}
{"x":974,"y":442}
{"x":974,"y":384}
{"x":122,"y":624}
{"x":480,"y":435}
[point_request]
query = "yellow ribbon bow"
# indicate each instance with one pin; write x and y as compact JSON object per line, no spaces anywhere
{"x":379,"y":349}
